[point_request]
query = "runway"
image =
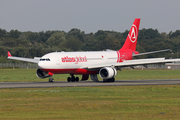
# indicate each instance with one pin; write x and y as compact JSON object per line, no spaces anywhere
{"x":85,"y":83}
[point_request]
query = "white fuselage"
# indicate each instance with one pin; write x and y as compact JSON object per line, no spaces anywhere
{"x":62,"y":62}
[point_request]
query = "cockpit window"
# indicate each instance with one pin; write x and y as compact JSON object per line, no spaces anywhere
{"x":45,"y":59}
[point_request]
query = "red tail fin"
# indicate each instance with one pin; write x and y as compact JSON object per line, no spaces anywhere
{"x":131,"y":40}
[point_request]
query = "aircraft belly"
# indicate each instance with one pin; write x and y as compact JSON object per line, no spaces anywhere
{"x":70,"y":71}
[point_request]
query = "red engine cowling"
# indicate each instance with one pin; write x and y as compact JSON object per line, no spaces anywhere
{"x":42,"y":74}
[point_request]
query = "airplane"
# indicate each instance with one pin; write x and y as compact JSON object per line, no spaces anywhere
{"x":105,"y":63}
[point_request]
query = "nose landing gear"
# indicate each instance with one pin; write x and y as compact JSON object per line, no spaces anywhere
{"x":73,"y":79}
{"x":51,"y":79}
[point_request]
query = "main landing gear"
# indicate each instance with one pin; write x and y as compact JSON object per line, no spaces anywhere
{"x":109,"y":80}
{"x":73,"y":79}
{"x":51,"y":79}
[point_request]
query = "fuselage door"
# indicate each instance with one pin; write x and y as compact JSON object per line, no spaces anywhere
{"x":58,"y":60}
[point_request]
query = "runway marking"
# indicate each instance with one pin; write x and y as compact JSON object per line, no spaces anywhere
{"x":85,"y":83}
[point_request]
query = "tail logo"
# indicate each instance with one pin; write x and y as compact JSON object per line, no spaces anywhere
{"x":133,"y":34}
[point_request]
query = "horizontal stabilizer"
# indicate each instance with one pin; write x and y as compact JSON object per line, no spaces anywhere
{"x":134,"y":55}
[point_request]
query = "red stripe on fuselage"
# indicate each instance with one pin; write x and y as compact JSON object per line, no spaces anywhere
{"x":119,"y":58}
{"x":70,"y":71}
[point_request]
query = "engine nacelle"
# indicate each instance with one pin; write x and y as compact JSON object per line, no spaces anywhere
{"x":42,"y":74}
{"x":107,"y":72}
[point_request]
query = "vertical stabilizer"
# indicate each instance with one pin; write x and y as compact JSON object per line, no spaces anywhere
{"x":131,"y":40}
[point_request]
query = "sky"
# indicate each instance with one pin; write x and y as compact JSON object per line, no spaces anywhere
{"x":89,"y":15}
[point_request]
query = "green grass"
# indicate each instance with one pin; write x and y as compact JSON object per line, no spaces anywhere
{"x":24,"y":75}
{"x":87,"y":103}
{"x":148,"y":74}
{"x":104,"y":102}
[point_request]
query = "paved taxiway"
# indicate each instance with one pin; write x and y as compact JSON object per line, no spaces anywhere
{"x":85,"y":83}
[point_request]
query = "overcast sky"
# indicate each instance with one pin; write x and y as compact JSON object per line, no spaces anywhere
{"x":89,"y":15}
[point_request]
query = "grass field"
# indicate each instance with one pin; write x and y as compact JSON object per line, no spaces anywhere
{"x":158,"y":102}
{"x":24,"y":75}
{"x":153,"y":102}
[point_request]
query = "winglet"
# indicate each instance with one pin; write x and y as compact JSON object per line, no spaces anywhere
{"x":9,"y":54}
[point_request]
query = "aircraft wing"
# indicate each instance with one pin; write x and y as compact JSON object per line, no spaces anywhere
{"x":22,"y":59}
{"x":145,"y":62}
{"x":129,"y":63}
{"x":135,"y":62}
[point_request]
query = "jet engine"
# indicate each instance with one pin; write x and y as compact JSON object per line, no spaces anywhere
{"x":107,"y":72}
{"x":42,"y":74}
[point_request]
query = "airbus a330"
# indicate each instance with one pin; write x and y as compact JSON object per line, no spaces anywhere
{"x":104,"y":63}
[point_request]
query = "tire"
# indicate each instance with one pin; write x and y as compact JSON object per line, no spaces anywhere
{"x":104,"y":80}
{"x":51,"y":80}
{"x":113,"y":80}
{"x":69,"y":79}
{"x":77,"y":79}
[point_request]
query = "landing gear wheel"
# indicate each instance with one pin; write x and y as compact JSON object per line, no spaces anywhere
{"x":51,"y":80}
{"x":104,"y":80}
{"x":113,"y":80}
{"x":72,"y":79}
{"x":69,"y":79}
{"x":77,"y":79}
{"x":109,"y":80}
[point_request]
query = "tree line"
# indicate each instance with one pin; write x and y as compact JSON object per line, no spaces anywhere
{"x":36,"y":44}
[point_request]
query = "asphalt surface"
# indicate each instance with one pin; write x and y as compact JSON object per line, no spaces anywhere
{"x":85,"y":83}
